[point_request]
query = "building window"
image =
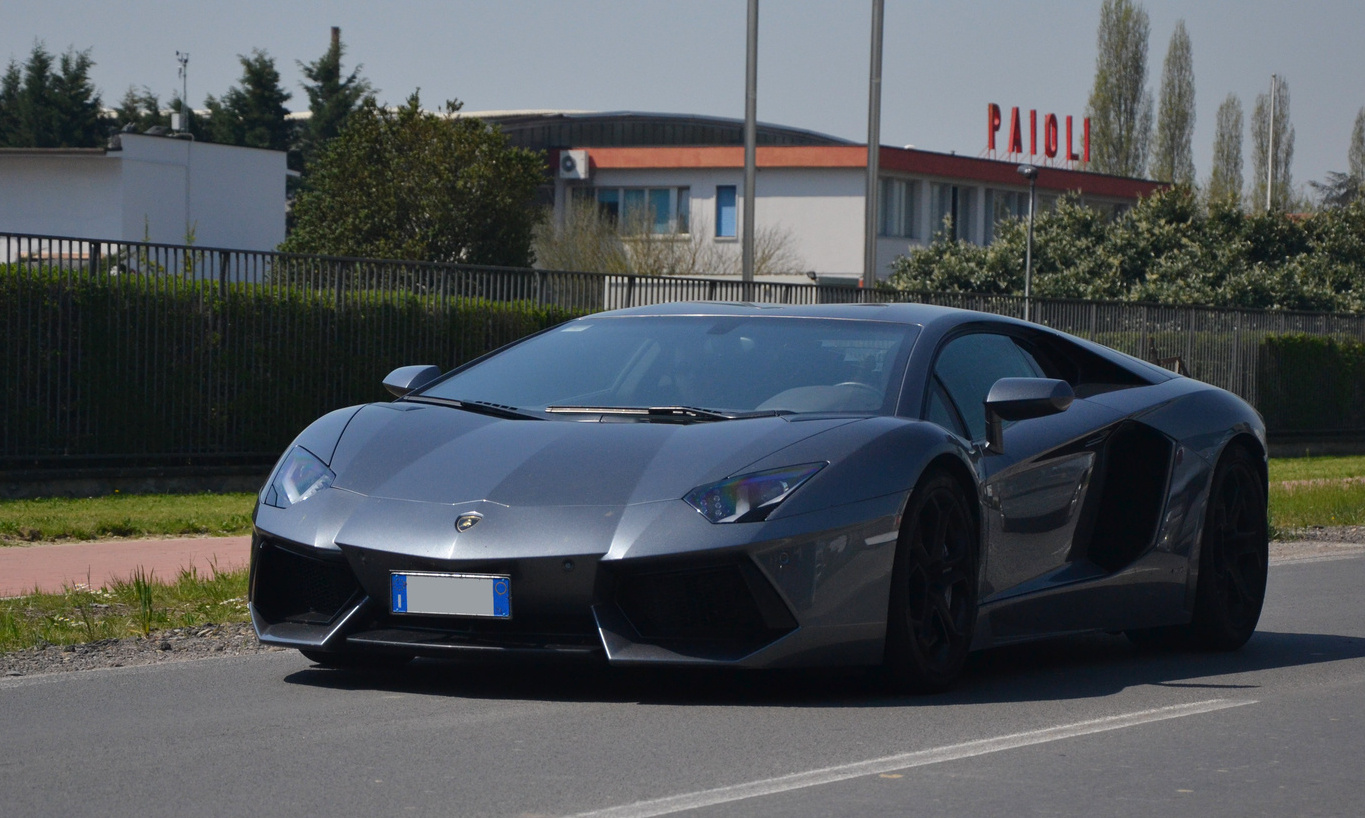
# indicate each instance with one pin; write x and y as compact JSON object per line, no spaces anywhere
{"x":1002,"y":205}
{"x":657,"y":210}
{"x":725,"y":212}
{"x":955,"y":212}
{"x":897,"y":206}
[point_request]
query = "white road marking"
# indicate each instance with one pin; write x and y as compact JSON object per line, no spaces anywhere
{"x":903,"y":761}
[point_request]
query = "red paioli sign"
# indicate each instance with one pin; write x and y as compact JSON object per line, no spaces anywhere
{"x":1051,"y":135}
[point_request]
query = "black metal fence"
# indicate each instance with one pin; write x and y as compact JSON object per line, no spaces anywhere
{"x":167,"y":353}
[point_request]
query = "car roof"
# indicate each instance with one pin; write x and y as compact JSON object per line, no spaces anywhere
{"x":933,"y":319}
{"x":901,"y":313}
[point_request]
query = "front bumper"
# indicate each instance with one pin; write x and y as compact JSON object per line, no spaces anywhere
{"x":787,"y":601}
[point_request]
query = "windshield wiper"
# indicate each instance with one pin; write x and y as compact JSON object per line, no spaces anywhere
{"x":664,"y":413}
{"x":478,"y":407}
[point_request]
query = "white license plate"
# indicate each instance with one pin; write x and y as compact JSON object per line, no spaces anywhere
{"x":487,"y":595}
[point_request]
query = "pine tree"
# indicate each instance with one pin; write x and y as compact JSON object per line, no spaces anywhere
{"x":78,"y":111}
{"x":252,"y":114}
{"x":331,"y":99}
{"x":1120,"y":106}
{"x":35,"y":121}
{"x":1172,"y":156}
{"x":141,"y":109}
{"x":1282,"y":189}
{"x":1225,"y":183}
{"x":11,"y":86}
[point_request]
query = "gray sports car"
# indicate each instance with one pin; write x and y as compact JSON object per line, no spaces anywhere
{"x":763,"y":486}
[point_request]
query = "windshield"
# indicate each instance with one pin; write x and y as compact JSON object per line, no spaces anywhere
{"x":719,"y":363}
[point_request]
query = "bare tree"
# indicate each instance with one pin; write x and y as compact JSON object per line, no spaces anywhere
{"x":1225,"y":183}
{"x":1282,"y":189}
{"x":1120,"y":106}
{"x":587,"y":240}
{"x":1172,"y":156}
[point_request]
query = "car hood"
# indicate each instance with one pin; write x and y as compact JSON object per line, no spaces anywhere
{"x":440,"y":454}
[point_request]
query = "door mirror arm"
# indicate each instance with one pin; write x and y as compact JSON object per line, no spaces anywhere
{"x":1021,"y":399}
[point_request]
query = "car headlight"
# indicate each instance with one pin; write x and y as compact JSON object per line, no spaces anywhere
{"x":749,"y":497}
{"x":299,"y":477}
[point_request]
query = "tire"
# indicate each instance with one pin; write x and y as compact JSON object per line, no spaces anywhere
{"x":1233,"y":563}
{"x":357,"y":661}
{"x":934,"y":588}
{"x":1233,"y":556}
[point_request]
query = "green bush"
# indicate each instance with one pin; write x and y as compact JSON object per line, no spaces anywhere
{"x":1168,"y":249}
{"x":1309,"y":382}
{"x":162,"y":365}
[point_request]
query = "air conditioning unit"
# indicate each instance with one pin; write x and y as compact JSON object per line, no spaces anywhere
{"x":574,"y":165}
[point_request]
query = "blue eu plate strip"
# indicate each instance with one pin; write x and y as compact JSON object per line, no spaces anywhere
{"x":399,"y":591}
{"x":500,"y":600}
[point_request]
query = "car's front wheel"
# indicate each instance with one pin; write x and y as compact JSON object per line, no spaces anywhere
{"x":1233,"y":563}
{"x":1233,"y":556}
{"x":934,"y":588}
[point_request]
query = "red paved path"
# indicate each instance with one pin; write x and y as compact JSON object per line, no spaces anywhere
{"x":50,"y":567}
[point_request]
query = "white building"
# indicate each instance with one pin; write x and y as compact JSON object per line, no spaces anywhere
{"x":816,"y":195}
{"x":142,"y":187}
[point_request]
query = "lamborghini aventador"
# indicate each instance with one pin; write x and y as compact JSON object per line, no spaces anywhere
{"x":759,"y":486}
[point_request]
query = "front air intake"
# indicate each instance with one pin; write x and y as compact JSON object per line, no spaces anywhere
{"x":291,"y":587}
{"x":729,"y":603}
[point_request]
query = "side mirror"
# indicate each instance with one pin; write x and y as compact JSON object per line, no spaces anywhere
{"x":407,"y":379}
{"x":1021,"y":399}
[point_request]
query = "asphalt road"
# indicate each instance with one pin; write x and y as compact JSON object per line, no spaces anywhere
{"x":1083,"y":726}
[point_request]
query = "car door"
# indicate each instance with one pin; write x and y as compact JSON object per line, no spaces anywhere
{"x":1035,"y":488}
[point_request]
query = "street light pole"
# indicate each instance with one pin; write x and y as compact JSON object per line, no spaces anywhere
{"x":1030,"y":173}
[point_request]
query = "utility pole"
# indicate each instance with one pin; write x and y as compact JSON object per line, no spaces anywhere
{"x":184,"y":59}
{"x":750,"y":145}
{"x":874,"y":139}
{"x":1270,"y":154}
{"x":1029,"y":172}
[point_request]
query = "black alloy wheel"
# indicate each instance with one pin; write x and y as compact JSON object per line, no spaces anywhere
{"x":1233,"y":563}
{"x":1233,"y":556}
{"x":934,"y":588}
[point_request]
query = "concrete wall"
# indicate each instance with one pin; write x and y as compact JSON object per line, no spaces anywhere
{"x":154,"y":188}
{"x":73,"y":195}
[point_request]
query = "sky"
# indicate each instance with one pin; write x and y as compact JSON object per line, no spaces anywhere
{"x":944,"y":62}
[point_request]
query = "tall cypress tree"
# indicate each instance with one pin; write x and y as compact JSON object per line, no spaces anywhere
{"x":1120,"y":106}
{"x":1225,"y":182}
{"x":331,"y":98}
{"x":1355,"y":154}
{"x":1172,"y":155}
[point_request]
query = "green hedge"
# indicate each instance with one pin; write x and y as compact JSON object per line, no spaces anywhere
{"x":1312,"y":383}
{"x":130,"y":365}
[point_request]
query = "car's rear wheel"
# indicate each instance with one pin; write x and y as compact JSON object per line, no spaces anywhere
{"x":934,"y":588}
{"x":1233,"y":563}
{"x":357,"y":661}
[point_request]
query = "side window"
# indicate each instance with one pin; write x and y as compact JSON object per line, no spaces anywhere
{"x":941,"y":411}
{"x":968,"y":366}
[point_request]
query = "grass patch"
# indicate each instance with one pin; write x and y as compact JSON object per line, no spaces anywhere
{"x":1316,"y":491}
{"x":136,"y":606}
{"x":1326,"y":504}
{"x":1316,"y":468}
{"x":124,"y":515}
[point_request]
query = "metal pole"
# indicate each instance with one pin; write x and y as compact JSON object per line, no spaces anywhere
{"x":874,"y":128}
{"x":1270,"y":154}
{"x":750,"y":144}
{"x":1028,"y":247}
